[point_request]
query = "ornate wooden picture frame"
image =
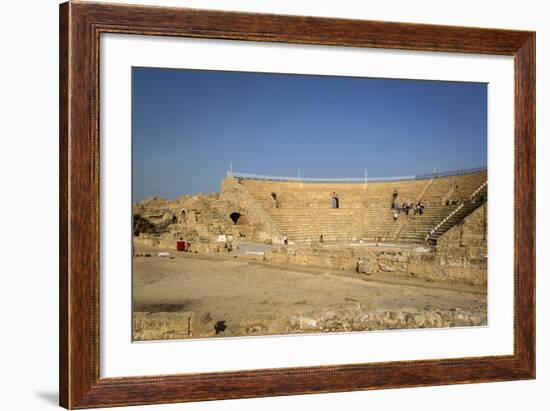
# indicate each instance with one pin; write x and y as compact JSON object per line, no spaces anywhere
{"x":80,"y":27}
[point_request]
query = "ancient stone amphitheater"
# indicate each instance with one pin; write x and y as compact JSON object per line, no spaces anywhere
{"x":354,"y":211}
{"x":266,"y":209}
{"x":372,"y":271}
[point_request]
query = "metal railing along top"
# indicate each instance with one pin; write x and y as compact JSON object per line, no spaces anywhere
{"x":251,"y":176}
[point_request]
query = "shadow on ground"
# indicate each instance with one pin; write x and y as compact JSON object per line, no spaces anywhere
{"x":51,"y":397}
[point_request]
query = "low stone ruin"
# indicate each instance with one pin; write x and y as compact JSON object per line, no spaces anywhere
{"x":336,"y":318}
{"x":202,"y":219}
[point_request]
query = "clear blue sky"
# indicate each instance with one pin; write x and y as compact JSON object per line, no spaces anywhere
{"x":188,"y":125}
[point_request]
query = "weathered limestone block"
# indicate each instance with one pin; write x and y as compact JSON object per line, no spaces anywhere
{"x":392,"y":265}
{"x":172,"y":325}
{"x":367,"y":265}
{"x":203,"y":248}
{"x":167,"y":218}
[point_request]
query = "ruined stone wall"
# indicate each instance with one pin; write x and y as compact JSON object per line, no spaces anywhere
{"x":462,"y":251}
{"x":191,"y":217}
{"x":203,"y":218}
{"x":339,"y":259}
{"x":392,"y":262}
{"x":341,"y":318}
{"x":465,"y":270}
{"x":468,"y":238}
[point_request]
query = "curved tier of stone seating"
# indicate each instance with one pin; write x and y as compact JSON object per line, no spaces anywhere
{"x":304,"y":210}
{"x":454,"y":188}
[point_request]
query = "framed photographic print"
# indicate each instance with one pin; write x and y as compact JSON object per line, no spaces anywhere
{"x":256,"y":205}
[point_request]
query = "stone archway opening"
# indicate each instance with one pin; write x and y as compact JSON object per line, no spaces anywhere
{"x":335,"y":201}
{"x":235,"y":217}
{"x":183,"y":215}
{"x":274,"y":197}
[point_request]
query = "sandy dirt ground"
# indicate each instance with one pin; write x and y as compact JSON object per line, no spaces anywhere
{"x":233,"y":289}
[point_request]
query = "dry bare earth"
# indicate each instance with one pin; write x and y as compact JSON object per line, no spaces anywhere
{"x":214,"y":295}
